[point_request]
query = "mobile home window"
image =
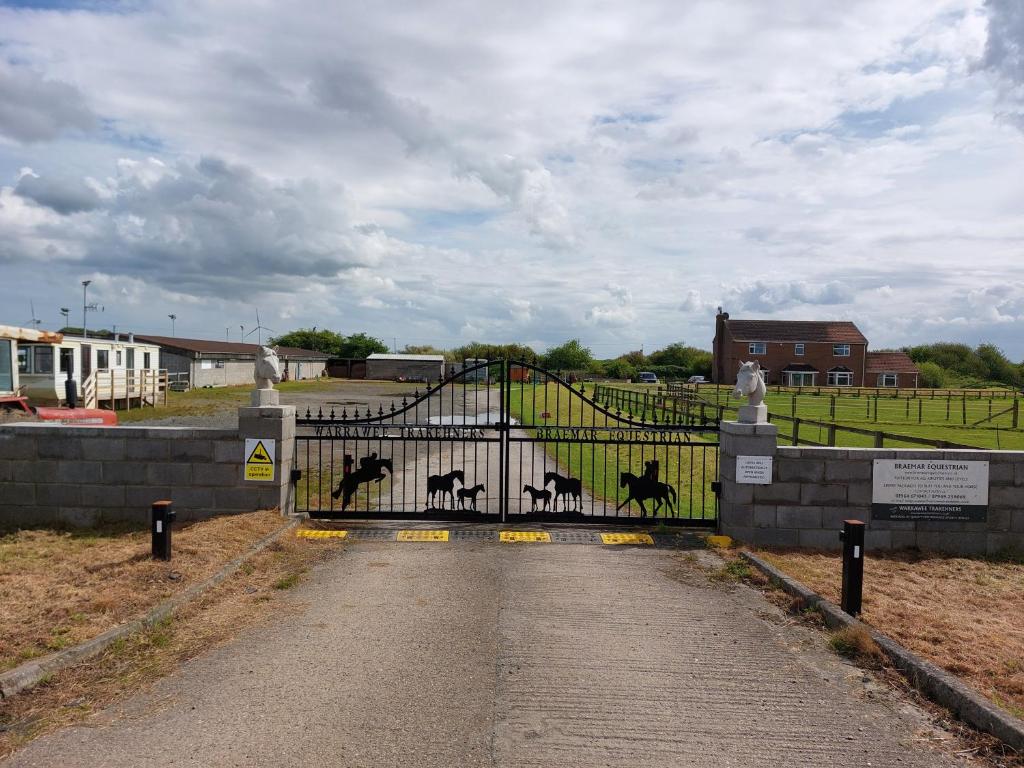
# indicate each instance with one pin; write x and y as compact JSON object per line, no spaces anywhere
{"x":841,"y":350}
{"x":145,"y":360}
{"x":757,"y":348}
{"x":887,"y":379}
{"x":6,"y":374}
{"x":42,"y":360}
{"x":130,"y":356}
{"x":798,"y":349}
{"x":102,"y":359}
{"x":117,"y":358}
{"x":219,"y":364}
{"x":24,"y":359}
{"x":67,"y":359}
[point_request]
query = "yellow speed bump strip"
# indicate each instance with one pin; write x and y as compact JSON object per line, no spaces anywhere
{"x":422,"y":535}
{"x":539,"y":536}
{"x":322,"y":534}
{"x":626,"y":538}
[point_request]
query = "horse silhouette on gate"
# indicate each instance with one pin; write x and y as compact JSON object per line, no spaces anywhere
{"x":565,"y":487}
{"x":370,"y":468}
{"x":445,"y":485}
{"x":544,"y":495}
{"x":644,"y":488}
{"x":469,"y":493}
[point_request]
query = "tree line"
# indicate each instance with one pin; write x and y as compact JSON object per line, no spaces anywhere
{"x":948,"y":364}
{"x":675,"y":361}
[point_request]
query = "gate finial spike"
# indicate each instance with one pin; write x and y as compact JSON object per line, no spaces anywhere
{"x":319,"y":413}
{"x":344,"y":414}
{"x":332,"y":414}
{"x":308,"y":414}
{"x":380,"y":410}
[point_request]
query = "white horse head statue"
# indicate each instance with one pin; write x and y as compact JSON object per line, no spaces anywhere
{"x":750,"y":383}
{"x":268,"y":368}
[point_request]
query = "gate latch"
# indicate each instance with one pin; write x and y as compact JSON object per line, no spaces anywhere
{"x":501,"y":426}
{"x":716,"y":487}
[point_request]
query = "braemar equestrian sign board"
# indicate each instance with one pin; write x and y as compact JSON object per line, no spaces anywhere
{"x":930,"y":489}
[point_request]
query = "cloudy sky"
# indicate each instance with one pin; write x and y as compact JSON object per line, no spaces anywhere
{"x":532,"y":171}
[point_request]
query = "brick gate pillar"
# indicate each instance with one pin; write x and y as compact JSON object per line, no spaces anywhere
{"x":736,"y":505}
{"x":276,"y":423}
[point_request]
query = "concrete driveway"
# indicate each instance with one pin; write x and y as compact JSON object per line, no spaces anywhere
{"x":471,"y":653}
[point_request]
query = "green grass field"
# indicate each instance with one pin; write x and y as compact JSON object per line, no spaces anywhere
{"x":983,"y":423}
{"x":688,"y":469}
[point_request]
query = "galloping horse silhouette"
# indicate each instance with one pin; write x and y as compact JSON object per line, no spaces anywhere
{"x":565,"y":486}
{"x":642,"y":488}
{"x":370,"y":468}
{"x":445,"y":485}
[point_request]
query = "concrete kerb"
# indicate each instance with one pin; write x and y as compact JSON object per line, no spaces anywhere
{"x":937,"y":684}
{"x":28,"y":674}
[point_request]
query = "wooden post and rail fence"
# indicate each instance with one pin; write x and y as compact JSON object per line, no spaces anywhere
{"x":125,"y":388}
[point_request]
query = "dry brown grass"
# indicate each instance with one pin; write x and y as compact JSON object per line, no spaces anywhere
{"x":251,"y":596}
{"x":965,"y":615}
{"x":59,"y":588}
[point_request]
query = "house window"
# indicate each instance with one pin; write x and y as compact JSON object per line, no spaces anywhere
{"x":145,"y":360}
{"x":67,"y":360}
{"x":757,"y":348}
{"x":798,"y":349}
{"x":102,"y":359}
{"x":42,"y":360}
{"x":117,"y":358}
{"x":130,"y":356}
{"x":24,"y":359}
{"x":205,"y":365}
{"x":6,"y":375}
{"x":887,"y":380}
{"x":841,"y":350}
{"x":799,"y":378}
{"x":840,"y":378}
{"x":219,"y":364}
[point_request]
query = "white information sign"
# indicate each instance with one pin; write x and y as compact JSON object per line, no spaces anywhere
{"x":929,"y":489}
{"x":754,"y":470}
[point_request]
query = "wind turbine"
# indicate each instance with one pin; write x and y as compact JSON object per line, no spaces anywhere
{"x":35,"y":323}
{"x":258,"y":330}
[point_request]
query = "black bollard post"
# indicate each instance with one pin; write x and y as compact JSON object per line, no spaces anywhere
{"x":70,"y":386}
{"x":852,"y":537}
{"x":162,"y":517}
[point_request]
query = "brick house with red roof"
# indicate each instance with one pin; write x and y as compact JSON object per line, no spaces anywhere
{"x":805,"y":353}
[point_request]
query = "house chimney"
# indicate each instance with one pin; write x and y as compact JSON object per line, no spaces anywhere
{"x":117,"y":336}
{"x":131,"y":337}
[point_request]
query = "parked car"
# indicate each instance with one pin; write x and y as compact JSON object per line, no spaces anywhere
{"x":646,"y":377}
{"x":696,"y":380}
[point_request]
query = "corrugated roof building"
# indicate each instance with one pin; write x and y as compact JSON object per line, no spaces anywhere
{"x":399,"y":367}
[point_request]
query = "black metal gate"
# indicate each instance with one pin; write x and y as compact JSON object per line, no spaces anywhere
{"x":505,"y":441}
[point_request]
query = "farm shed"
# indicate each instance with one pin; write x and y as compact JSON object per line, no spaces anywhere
{"x":405,"y":367}
{"x":209,"y":363}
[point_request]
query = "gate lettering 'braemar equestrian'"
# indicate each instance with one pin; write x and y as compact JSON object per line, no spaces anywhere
{"x":463,"y":450}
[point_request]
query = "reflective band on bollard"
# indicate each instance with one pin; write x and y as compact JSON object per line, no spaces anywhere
{"x":162,"y":516}
{"x":852,"y":537}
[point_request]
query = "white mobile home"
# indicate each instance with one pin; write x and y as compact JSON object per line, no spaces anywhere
{"x":10,"y":336}
{"x":107,"y":371}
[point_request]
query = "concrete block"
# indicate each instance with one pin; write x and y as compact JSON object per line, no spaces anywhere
{"x":903,"y":539}
{"x":188,"y":498}
{"x":958,"y":543}
{"x":102,"y":496}
{"x":59,"y":447}
{"x":1017,"y":521}
{"x":124,"y":472}
{"x":141,"y":498}
{"x":859,"y":493}
{"x":893,"y":525}
{"x":17,"y":494}
{"x":799,"y":517}
{"x":999,"y":519}
{"x":799,"y":470}
{"x":13,"y":518}
{"x":1000,"y":474}
{"x":15,"y":446}
{"x":940,"y":526}
{"x":57,"y":495}
{"x":147,"y":449}
{"x":877,"y":540}
{"x":832,"y":517}
{"x":737,"y":493}
{"x":747,"y":446}
{"x":736,"y":514}
{"x":819,"y":539}
{"x":777,"y":493}
{"x":6,"y":471}
{"x":825,"y":454}
{"x":105,"y":449}
{"x":229,"y":451}
{"x":221,"y":475}
{"x":242,"y":499}
{"x":1006,"y":496}
{"x":743,"y":534}
{"x":847,"y":470}
{"x":78,"y":472}
{"x":1004,"y":543}
{"x":168,"y":474}
{"x":776,"y":537}
{"x":192,"y":450}
{"x":78,"y":517}
{"x":765,"y":516}
{"x":1018,"y":474}
{"x":812,"y":494}
{"x":727,"y":469}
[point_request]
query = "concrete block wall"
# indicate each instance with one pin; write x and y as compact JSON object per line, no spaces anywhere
{"x":814,"y":489}
{"x":79,"y":476}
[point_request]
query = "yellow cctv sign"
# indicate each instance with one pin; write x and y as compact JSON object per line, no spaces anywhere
{"x":259,"y":459}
